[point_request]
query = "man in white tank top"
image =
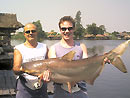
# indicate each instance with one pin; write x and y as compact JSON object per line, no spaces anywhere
{"x":30,"y":50}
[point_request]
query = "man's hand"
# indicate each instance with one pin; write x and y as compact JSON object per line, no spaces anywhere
{"x":106,"y":60}
{"x":45,"y":76}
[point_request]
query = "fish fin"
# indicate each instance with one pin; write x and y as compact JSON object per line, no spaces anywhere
{"x":95,"y":74}
{"x":69,"y":87}
{"x":118,"y":63}
{"x":120,"y":49}
{"x":115,"y":54}
{"x":69,"y":56}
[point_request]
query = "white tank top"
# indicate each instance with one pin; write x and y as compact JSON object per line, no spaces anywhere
{"x":31,"y":54}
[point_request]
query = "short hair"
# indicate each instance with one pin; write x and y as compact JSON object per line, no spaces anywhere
{"x":30,"y":24}
{"x":67,"y":18}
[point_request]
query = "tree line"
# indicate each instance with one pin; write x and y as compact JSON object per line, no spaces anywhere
{"x":79,"y":33}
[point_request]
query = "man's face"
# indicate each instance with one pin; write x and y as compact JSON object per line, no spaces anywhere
{"x":30,"y":32}
{"x":66,"y":29}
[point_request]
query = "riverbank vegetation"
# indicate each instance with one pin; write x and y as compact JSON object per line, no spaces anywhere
{"x":90,"y":32}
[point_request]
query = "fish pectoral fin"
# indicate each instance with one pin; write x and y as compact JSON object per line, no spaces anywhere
{"x":93,"y":78}
{"x":118,"y":63}
{"x":69,"y":87}
{"x":69,"y":56}
{"x":95,"y":74}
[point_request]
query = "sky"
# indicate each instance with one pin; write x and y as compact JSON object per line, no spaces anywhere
{"x":113,"y":14}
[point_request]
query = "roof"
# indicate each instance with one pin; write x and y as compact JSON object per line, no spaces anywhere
{"x":9,"y":21}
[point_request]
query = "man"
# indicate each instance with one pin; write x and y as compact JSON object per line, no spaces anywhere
{"x":67,"y":44}
{"x":31,"y":50}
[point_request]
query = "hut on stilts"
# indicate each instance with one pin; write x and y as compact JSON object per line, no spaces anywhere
{"x":8,"y":25}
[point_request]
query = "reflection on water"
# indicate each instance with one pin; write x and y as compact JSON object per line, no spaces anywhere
{"x":95,"y":50}
{"x":111,"y":83}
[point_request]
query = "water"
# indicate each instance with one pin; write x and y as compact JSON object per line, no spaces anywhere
{"x":111,"y":83}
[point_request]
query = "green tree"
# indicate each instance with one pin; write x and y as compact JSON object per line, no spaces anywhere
{"x":41,"y":33}
{"x":115,"y":33}
{"x":101,"y":29}
{"x":92,"y":29}
{"x":18,"y":36}
{"x":79,"y":29}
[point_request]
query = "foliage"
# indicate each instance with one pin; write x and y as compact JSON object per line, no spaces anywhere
{"x":115,"y":33}
{"x":41,"y":33}
{"x":128,"y":33}
{"x":79,"y":33}
{"x":113,"y":37}
{"x":79,"y":29}
{"x":18,"y":36}
{"x":94,"y":29}
{"x":102,"y":29}
{"x":54,"y":33}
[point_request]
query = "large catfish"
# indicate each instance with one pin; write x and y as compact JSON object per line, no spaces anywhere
{"x":65,"y":69}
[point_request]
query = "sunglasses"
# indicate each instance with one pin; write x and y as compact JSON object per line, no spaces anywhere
{"x":29,"y":31}
{"x":64,"y":29}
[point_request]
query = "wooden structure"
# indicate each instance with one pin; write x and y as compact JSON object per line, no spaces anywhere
{"x":8,"y":24}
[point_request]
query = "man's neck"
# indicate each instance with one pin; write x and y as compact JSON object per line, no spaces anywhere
{"x":67,"y":43}
{"x":31,"y":44}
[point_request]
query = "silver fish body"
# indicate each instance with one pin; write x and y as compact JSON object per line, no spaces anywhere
{"x":67,"y":70}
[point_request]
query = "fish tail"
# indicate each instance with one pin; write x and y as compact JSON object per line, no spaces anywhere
{"x":115,"y":54}
{"x":118,"y":63}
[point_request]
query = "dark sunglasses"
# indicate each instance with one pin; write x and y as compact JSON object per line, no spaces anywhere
{"x":28,"y":32}
{"x":64,"y":29}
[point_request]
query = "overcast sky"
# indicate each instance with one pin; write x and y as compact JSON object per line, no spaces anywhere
{"x":114,"y":14}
